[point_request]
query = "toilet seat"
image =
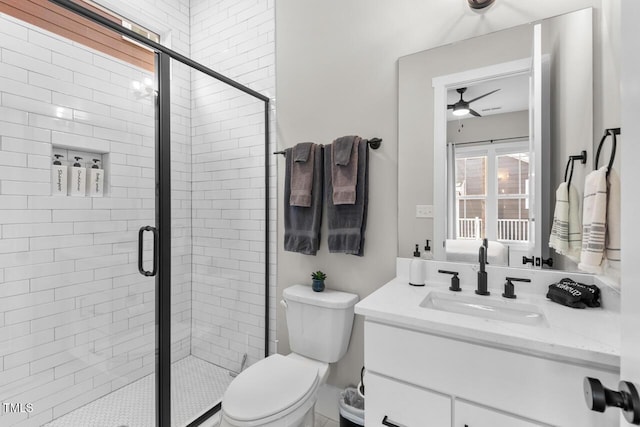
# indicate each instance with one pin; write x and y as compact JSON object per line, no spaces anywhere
{"x":269,"y":389}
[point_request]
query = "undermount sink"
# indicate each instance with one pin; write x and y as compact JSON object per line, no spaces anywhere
{"x":486,"y":307}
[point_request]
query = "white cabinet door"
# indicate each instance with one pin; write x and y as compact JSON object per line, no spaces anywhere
{"x":404,"y":405}
{"x":468,"y":415}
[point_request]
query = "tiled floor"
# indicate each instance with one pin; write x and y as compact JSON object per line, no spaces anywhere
{"x":197,"y":386}
{"x":321,"y":421}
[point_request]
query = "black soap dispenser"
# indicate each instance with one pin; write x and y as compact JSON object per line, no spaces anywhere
{"x":427,"y":254}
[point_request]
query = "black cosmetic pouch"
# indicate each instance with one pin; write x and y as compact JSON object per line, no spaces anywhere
{"x":566,"y":294}
{"x":590,"y":294}
{"x":573,"y":294}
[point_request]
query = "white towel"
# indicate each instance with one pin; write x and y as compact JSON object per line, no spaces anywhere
{"x":566,"y":231}
{"x":463,"y":250}
{"x":594,"y":221}
{"x":612,"y":253}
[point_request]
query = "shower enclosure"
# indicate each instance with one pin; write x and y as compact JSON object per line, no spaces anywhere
{"x":137,"y":307}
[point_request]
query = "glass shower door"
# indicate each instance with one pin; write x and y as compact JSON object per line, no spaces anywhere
{"x":218,"y":197}
{"x":77,"y":317}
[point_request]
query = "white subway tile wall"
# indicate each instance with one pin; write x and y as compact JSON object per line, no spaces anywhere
{"x":237,"y":40}
{"x":77,"y":320}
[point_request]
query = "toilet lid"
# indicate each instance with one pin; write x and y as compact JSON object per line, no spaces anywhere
{"x":268,"y":387}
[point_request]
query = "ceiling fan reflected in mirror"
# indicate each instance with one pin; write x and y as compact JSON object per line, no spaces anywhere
{"x":462,"y":107}
{"x":480,"y":4}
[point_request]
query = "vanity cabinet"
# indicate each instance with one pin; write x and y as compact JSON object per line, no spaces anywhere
{"x":417,"y":378}
{"x":469,"y":415}
{"x":404,"y":404}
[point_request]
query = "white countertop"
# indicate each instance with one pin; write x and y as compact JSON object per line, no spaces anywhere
{"x":587,"y":336}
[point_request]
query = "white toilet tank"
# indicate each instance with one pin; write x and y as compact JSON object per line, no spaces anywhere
{"x":319,"y":323}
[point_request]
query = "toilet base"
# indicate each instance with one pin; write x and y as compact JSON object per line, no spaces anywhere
{"x":309,"y":418}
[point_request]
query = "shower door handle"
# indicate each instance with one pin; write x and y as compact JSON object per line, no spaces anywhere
{"x":141,"y":250}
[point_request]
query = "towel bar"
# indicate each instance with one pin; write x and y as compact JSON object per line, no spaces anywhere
{"x":583,"y":159}
{"x":374,"y":144}
{"x":613,"y":132}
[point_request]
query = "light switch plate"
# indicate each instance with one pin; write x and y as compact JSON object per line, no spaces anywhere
{"x":424,"y":211}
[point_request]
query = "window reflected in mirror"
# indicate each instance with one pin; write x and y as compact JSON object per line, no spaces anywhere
{"x":491,"y":191}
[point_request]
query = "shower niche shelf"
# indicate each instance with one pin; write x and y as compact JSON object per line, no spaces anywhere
{"x":87,"y":158}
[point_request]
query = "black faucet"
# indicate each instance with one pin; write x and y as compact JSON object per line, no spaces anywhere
{"x":455,"y":281}
{"x":485,"y":243}
{"x":482,"y":274}
{"x":509,"y":288}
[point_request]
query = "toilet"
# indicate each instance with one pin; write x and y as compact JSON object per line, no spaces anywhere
{"x":281,"y":391}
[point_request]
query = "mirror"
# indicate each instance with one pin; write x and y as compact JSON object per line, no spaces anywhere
{"x":494,"y":176}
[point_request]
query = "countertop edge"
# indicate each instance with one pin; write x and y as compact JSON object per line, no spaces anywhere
{"x":590,"y":357}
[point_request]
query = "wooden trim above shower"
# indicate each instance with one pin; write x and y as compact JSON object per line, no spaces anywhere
{"x":51,"y":17}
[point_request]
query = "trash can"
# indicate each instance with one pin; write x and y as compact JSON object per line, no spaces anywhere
{"x":351,"y":408}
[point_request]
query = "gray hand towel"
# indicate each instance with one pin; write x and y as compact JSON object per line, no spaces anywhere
{"x":344,"y":169}
{"x":343,"y":147}
{"x":302,"y":174}
{"x":302,"y":224}
{"x":302,"y":151}
{"x":347,"y":223}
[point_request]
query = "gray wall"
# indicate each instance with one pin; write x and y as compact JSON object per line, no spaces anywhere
{"x":495,"y":126}
{"x":337,"y":74}
{"x":571,"y":90}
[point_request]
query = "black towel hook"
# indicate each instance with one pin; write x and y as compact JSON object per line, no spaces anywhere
{"x":613,"y":132}
{"x":583,"y":159}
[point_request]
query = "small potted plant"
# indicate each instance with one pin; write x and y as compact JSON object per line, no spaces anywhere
{"x":318,"y":281}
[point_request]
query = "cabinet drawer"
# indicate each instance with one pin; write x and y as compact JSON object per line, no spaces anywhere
{"x":404,"y":405}
{"x":468,"y":415}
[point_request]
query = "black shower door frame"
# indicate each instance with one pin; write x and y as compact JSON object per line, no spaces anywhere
{"x":164,"y":56}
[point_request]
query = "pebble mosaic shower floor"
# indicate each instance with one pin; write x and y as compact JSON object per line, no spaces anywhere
{"x":196,"y":386}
